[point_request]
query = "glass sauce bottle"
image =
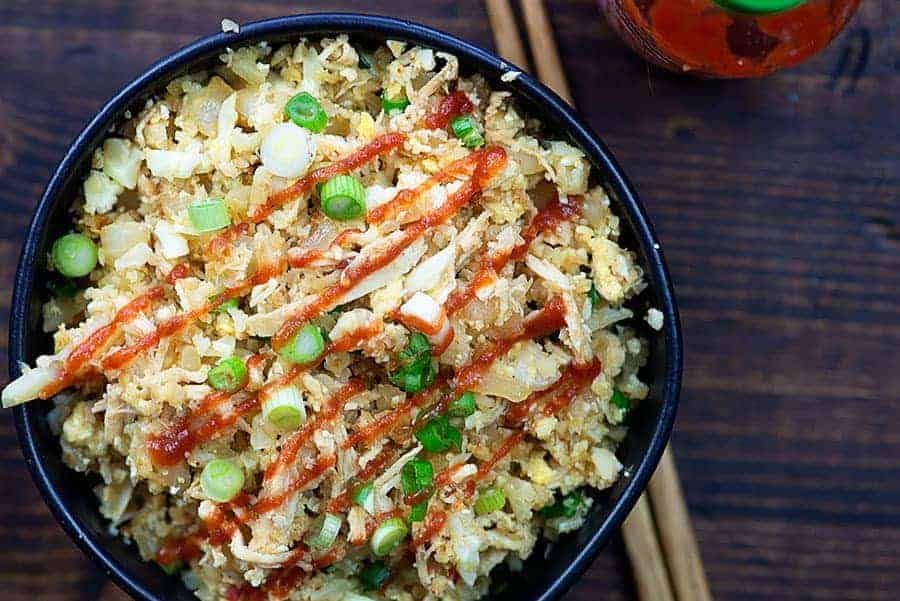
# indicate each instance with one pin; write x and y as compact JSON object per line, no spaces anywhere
{"x":728,"y":38}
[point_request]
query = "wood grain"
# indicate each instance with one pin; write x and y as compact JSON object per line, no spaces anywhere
{"x":777,"y":204}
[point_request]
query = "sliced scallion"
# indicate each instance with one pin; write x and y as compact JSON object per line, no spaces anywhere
{"x":620,"y":400}
{"x":416,"y":370}
{"x":374,"y":575}
{"x":324,"y":531}
{"x":171,"y":568}
{"x":389,"y":534}
{"x":489,"y":501}
{"x":438,"y":436}
{"x":304,"y":110}
{"x":306,"y":346}
{"x":393,"y":106}
{"x":343,"y":197}
{"x":362,"y":496}
{"x":464,"y":406}
{"x":228,"y":374}
{"x":594,"y":296}
{"x":224,"y":306}
{"x":465,"y":129}
{"x":564,"y":506}
{"x":283,"y":408}
{"x":221,"y":480}
{"x":416,"y":475}
{"x":74,"y":255}
{"x":208,"y":215}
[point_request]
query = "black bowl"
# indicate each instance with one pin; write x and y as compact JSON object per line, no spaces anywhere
{"x":547,"y":575}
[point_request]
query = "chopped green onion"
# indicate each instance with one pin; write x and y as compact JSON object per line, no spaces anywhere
{"x":364,"y":60}
{"x":231,"y":303}
{"x":343,"y":197}
{"x":337,"y":310}
{"x":283,"y":408}
{"x":208,"y":215}
{"x":620,"y":400}
{"x":565,"y":506}
{"x":594,"y":296}
{"x":418,"y":511}
{"x":324,"y":531}
{"x":465,"y":129}
{"x":74,"y":255}
{"x":62,"y":288}
{"x":362,"y":496}
{"x":416,"y":370}
{"x":374,"y":575}
{"x":416,"y":475}
{"x":221,"y":480}
{"x":464,"y":406}
{"x":438,"y":436}
{"x":228,"y":374}
{"x":306,"y":346}
{"x":304,"y":110}
{"x":489,"y":501}
{"x":418,"y":345}
{"x":394,"y":105}
{"x":388,"y":535}
{"x":171,"y":568}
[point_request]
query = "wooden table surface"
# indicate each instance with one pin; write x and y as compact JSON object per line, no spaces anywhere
{"x":777,"y":204}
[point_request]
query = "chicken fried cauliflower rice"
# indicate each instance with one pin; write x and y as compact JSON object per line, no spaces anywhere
{"x":338,"y":324}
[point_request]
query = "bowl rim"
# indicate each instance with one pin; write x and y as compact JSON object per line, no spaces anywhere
{"x":387,"y":27}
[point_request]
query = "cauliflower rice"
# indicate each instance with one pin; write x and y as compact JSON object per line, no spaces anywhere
{"x":499,"y":259}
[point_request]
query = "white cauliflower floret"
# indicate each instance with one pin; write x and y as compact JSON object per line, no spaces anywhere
{"x":122,"y":161}
{"x":524,"y":369}
{"x":100,"y":193}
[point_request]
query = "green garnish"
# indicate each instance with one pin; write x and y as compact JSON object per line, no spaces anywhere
{"x":464,"y":406}
{"x":283,"y":408}
{"x":564,"y":506}
{"x":594,"y":296}
{"x":171,"y":568}
{"x":489,"y":501}
{"x":389,"y":534}
{"x":417,"y":370}
{"x":74,"y":255}
{"x":228,"y":374}
{"x":306,"y":346}
{"x":221,"y":480}
{"x":416,"y":476}
{"x":438,"y":436}
{"x":465,"y":129}
{"x":231,"y":303}
{"x":362,"y":494}
{"x":620,"y":400}
{"x":324,"y":531}
{"x":208,"y":215}
{"x":62,"y":288}
{"x":374,"y":575}
{"x":304,"y":110}
{"x":343,"y":197}
{"x":394,"y":105}
{"x":418,"y":512}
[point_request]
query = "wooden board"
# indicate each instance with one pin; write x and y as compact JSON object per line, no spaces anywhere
{"x":776,"y":201}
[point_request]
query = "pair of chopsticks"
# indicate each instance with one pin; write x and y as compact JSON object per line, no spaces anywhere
{"x":658,"y":535}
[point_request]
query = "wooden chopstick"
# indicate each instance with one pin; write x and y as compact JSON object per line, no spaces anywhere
{"x":675,"y":532}
{"x":646,"y":555}
{"x":506,"y":34}
{"x":544,"y":50}
{"x":682,"y":555}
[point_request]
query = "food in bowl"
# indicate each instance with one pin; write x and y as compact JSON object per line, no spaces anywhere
{"x":338,"y":324}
